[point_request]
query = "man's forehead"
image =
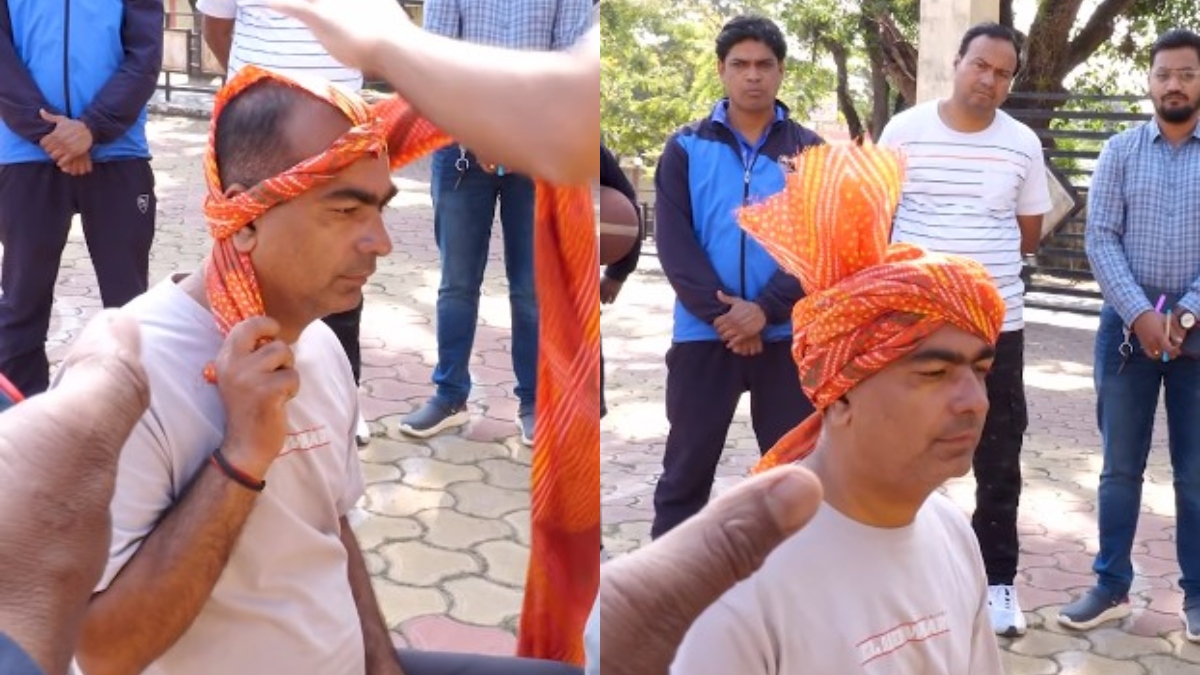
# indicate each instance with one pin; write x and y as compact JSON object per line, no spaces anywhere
{"x":751,"y":50}
{"x":997,"y":52}
{"x":1177,"y":58}
{"x":949,"y":343}
{"x":369,"y":176}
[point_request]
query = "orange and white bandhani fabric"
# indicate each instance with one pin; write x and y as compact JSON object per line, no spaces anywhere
{"x":564,"y":566}
{"x":867,"y":303}
{"x":564,"y":557}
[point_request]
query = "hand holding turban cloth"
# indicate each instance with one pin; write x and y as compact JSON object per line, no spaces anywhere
{"x":867,"y":304}
{"x":564,"y":572}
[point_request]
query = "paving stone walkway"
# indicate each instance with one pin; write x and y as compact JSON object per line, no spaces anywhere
{"x":445,"y":522}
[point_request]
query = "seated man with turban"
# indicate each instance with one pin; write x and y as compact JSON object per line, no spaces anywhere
{"x":892,"y":344}
{"x":231,"y":551}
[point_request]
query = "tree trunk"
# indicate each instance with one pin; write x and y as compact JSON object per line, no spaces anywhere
{"x":899,"y":59}
{"x":1047,"y":46}
{"x":1006,"y":13}
{"x":845,"y":100}
{"x":1051,"y":56}
{"x":880,"y":90}
{"x":881,"y":94}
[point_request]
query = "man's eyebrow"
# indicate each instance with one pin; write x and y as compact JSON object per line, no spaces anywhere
{"x":949,"y":356}
{"x":363,"y":196}
{"x":987,"y":63}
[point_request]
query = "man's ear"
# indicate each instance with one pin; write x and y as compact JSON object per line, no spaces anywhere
{"x":234,"y":190}
{"x":245,"y":239}
{"x":839,"y":412}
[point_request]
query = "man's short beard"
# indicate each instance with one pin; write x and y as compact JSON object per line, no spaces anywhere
{"x":1176,"y":114}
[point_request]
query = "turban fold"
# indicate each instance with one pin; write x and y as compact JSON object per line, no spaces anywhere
{"x":563,"y":574}
{"x":867,"y":303}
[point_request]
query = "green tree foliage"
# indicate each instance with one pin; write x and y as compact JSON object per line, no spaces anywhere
{"x":659,"y":70}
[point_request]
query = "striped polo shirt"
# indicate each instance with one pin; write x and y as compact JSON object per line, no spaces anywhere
{"x":268,"y":39}
{"x":963,"y":192}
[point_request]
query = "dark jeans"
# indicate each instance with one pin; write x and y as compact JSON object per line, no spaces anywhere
{"x":705,"y":381}
{"x":346,"y":326}
{"x":117,"y":205}
{"x":415,"y":662}
{"x":464,"y":206}
{"x":997,"y":461}
{"x":1126,"y":403}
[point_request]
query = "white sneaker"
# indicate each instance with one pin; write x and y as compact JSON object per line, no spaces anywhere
{"x":362,"y":434}
{"x":1007,"y":618}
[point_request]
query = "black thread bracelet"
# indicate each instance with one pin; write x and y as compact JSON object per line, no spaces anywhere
{"x":234,"y":474}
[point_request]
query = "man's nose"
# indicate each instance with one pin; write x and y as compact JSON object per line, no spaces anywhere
{"x":971,"y":395}
{"x":378,"y":241}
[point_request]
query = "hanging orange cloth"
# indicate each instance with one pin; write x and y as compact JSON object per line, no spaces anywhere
{"x":564,"y":567}
{"x":564,"y":560}
{"x":867,"y":303}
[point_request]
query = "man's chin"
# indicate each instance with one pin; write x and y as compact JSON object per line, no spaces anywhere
{"x":961,"y":467}
{"x":344,"y":299}
{"x":957,"y":457}
{"x":1177,"y":114}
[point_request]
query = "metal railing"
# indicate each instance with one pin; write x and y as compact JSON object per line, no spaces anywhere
{"x":1073,"y":128}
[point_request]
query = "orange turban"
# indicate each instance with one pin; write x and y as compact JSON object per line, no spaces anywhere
{"x":391,"y":127}
{"x":867,"y":303}
{"x":564,"y":565}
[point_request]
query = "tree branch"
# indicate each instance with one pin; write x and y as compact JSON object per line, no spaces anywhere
{"x":899,"y":59}
{"x":1096,"y":32}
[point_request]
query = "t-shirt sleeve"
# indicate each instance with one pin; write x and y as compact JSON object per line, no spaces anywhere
{"x":725,"y":639}
{"x":221,"y":9}
{"x":984,"y":655}
{"x":144,"y":492}
{"x":985,"y":652}
{"x":354,"y":486}
{"x":14,"y":660}
{"x":1034,"y":198}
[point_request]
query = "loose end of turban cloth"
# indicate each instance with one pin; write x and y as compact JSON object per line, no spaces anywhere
{"x":867,"y":303}
{"x":564,"y":561}
{"x":391,"y":126}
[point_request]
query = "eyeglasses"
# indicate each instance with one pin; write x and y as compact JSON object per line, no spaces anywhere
{"x":1184,"y":75}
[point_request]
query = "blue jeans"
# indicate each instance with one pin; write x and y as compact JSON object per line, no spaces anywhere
{"x":462,"y":222}
{"x":1125,"y":407}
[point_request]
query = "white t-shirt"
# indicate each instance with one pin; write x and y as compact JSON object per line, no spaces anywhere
{"x":842,"y":598}
{"x":283,"y":604}
{"x":268,"y":39}
{"x":963,"y":192}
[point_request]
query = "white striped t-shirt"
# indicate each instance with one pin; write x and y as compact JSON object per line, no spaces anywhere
{"x":963,"y":192}
{"x":268,"y":39}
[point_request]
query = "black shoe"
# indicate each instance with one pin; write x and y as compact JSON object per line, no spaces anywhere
{"x":1092,"y":609}
{"x":433,"y":418}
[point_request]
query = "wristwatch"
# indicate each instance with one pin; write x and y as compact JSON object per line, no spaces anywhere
{"x":1187,"y":320}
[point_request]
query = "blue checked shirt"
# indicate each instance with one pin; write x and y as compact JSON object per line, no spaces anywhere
{"x":1143,"y":223}
{"x":535,"y":25}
